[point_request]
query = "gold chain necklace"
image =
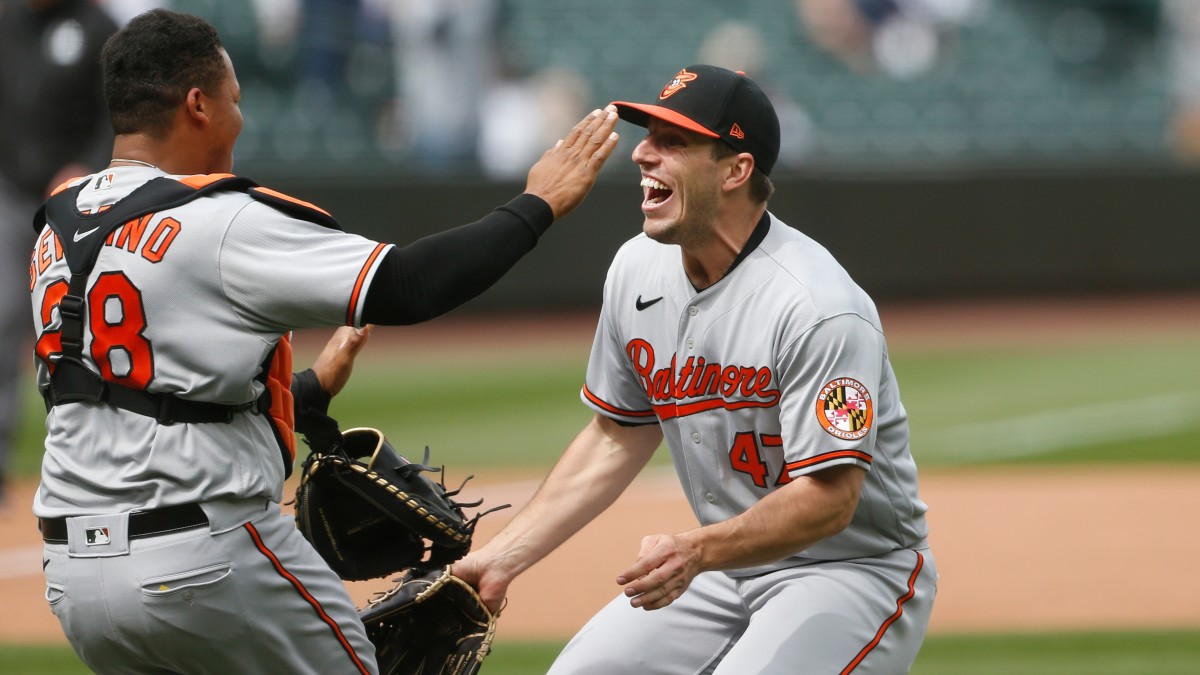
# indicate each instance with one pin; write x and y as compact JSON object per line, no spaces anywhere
{"x":137,"y":161}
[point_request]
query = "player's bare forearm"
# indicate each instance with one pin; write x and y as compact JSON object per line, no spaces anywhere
{"x":807,"y":510}
{"x":566,"y":172}
{"x":336,"y":360}
{"x":593,"y":471}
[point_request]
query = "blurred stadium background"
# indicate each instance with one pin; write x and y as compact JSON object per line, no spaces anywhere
{"x":947,"y":151}
{"x":938,"y":147}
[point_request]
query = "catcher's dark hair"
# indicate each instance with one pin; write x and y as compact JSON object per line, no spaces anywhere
{"x":150,"y":65}
{"x":761,"y":187}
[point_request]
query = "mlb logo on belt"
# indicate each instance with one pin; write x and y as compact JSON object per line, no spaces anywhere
{"x":96,"y":536}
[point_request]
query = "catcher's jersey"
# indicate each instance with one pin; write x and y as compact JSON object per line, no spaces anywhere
{"x":188,"y":301}
{"x":778,"y":370}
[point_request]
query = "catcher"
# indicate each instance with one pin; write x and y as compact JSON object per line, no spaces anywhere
{"x":370,"y":512}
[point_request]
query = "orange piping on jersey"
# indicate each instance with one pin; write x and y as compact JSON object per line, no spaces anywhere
{"x":316,"y":605}
{"x":668,"y":411}
{"x":279,"y":383}
{"x":613,"y":409}
{"x":280,"y":195}
{"x":360,"y":282}
{"x":785,"y":475}
{"x":64,"y":185}
{"x":826,"y":457}
{"x":200,"y":180}
{"x":912,"y":590}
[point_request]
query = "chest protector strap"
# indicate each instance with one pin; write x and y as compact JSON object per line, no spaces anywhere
{"x":82,"y":236}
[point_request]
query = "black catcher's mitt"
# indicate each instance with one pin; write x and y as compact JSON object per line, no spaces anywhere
{"x":370,"y":512}
{"x":429,"y":623}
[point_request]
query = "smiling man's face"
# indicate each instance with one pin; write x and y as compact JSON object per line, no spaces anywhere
{"x":681,"y":183}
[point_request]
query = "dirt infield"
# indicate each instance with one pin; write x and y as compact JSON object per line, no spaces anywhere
{"x":1018,"y":549}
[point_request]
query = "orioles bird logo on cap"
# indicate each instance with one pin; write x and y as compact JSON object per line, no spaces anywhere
{"x":678,"y":82}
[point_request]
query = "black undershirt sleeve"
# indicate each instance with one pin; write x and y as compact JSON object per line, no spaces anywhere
{"x":437,"y":273}
{"x":307,"y":394}
{"x":310,"y":405}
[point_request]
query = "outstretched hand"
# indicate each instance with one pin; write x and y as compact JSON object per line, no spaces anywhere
{"x":336,"y":360}
{"x":565,"y":173}
{"x":664,"y":569}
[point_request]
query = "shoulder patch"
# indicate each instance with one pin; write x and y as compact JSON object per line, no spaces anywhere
{"x":845,"y":409}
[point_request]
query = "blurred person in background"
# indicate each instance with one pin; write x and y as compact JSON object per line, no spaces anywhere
{"x":53,"y":126}
{"x":328,"y":30}
{"x":898,"y":38}
{"x":518,"y":112}
{"x":444,"y":60}
{"x":739,"y":45}
{"x":1182,"y":28}
{"x":123,"y":10}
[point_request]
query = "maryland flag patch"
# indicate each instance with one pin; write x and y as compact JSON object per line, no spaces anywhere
{"x":845,"y":409}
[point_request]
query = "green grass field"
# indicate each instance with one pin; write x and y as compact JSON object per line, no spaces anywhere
{"x":1119,"y":402}
{"x":1125,"y":402}
{"x":1175,"y":653}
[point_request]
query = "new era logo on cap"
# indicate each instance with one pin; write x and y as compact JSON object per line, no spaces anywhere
{"x":718,"y":103}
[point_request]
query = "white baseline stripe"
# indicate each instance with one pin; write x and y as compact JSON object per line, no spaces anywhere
{"x":1141,"y":418}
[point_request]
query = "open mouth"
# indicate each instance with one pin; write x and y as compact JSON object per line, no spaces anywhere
{"x":656,"y":192}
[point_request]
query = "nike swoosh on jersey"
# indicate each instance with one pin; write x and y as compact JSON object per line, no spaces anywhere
{"x":80,"y":235}
{"x":643,"y":305}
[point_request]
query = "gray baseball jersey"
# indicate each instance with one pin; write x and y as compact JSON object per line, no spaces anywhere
{"x":778,"y":370}
{"x":193,"y":300}
{"x":190,"y":301}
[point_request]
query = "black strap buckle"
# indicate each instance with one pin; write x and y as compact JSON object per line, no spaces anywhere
{"x":70,"y":310}
{"x":231,"y":411}
{"x":71,"y":307}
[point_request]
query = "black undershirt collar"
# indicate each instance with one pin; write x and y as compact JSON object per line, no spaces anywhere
{"x":756,"y":238}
